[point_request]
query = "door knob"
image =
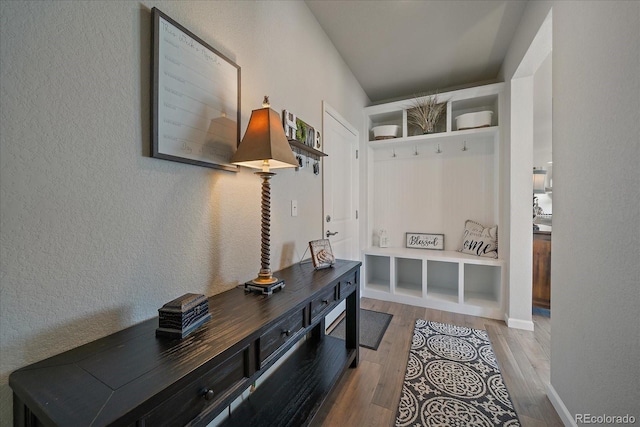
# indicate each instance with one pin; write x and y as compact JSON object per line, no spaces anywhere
{"x":329,"y":233}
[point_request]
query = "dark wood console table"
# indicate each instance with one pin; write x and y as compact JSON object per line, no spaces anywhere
{"x":133,"y":378}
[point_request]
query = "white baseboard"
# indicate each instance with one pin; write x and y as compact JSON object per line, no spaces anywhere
{"x":527,"y":325}
{"x":562,"y":410}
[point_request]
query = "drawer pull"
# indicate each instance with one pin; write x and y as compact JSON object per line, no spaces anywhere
{"x":208,"y":394}
{"x":349,"y":283}
{"x":325,"y":301}
{"x":286,"y":332}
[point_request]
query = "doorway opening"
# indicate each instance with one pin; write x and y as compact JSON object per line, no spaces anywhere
{"x":531,"y":101}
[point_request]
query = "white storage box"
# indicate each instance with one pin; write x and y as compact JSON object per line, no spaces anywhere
{"x":479,"y":119}
{"x":386,"y":131}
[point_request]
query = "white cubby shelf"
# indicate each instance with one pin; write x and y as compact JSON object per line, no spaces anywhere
{"x":434,"y":183}
{"x":481,"y":98}
{"x":443,"y":280}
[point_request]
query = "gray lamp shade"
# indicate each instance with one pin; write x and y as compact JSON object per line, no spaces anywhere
{"x":263,"y":141}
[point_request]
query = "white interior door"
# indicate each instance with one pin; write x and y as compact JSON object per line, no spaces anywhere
{"x":340,"y":184}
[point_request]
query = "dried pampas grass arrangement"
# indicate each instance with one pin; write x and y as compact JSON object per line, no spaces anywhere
{"x":425,"y":111}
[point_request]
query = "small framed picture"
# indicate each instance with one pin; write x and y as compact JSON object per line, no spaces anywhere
{"x":425,"y":241}
{"x":321,"y":254}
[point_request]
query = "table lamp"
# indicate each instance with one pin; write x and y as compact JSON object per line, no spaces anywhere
{"x":265,"y":147}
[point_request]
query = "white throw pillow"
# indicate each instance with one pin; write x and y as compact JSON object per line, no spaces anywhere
{"x":479,"y":240}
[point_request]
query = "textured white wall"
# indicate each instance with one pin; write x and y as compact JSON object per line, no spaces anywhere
{"x":595,"y":259}
{"x":595,"y":272}
{"x":94,"y":234}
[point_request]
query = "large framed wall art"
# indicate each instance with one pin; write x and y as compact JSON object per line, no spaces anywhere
{"x":195,"y":98}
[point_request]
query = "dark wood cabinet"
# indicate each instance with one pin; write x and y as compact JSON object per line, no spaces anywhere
{"x":542,"y":269}
{"x":133,"y":378}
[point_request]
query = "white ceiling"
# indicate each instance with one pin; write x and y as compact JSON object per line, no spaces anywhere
{"x":403,"y":48}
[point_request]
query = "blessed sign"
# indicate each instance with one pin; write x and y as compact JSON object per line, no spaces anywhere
{"x":425,"y":241}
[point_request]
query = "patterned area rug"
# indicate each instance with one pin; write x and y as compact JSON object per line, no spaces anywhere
{"x":453,"y":379}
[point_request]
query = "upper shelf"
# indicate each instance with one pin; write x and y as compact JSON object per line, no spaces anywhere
{"x":482,"y":98}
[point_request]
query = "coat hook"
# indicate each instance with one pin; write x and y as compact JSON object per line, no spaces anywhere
{"x":464,"y":146}
{"x":438,"y":151}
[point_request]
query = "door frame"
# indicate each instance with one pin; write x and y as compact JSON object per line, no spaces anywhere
{"x":521,"y":138}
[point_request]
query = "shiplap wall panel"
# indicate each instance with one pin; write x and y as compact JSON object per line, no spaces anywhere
{"x":434,"y":193}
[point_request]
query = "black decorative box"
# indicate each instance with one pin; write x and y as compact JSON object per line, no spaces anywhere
{"x":183,"y":315}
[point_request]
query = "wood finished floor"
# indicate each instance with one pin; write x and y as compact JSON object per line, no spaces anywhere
{"x":369,"y":395}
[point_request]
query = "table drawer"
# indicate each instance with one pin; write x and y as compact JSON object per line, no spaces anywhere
{"x":279,"y":334}
{"x":323,"y":303}
{"x":206,"y":391}
{"x":348,"y":284}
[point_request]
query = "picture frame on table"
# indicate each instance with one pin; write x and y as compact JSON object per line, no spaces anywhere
{"x":321,"y":254}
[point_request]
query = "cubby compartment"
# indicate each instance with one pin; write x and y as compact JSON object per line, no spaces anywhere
{"x":481,"y":284}
{"x":387,"y":118}
{"x":409,"y":277}
{"x":439,"y":127}
{"x":474,"y":105}
{"x":378,"y":273}
{"x":442,"y":280}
